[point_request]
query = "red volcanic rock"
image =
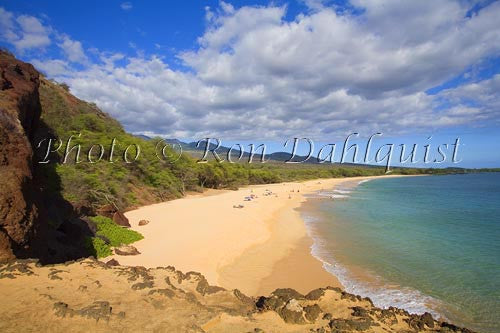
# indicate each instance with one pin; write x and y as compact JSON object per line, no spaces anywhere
{"x":120,"y":219}
{"x":20,"y":221}
{"x":107,"y":211}
{"x":113,"y":262}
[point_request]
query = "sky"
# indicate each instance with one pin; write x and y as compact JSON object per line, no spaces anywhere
{"x":419,"y":72}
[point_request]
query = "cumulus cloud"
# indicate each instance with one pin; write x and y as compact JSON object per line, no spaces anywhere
{"x":53,"y":68}
{"x":477,"y":100}
{"x":321,"y":75}
{"x":314,"y":4}
{"x":126,"y":5}
{"x":72,"y":49}
{"x":325,"y":51}
{"x":7,"y":26}
{"x":33,"y":33}
{"x":28,"y":33}
{"x":24,"y":32}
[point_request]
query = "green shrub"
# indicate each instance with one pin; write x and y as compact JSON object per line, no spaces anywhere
{"x":114,"y":233}
{"x":97,"y":247}
{"x":117,"y":235}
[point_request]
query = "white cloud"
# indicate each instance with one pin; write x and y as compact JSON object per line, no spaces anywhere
{"x":24,"y":32}
{"x":52,"y":68}
{"x":314,"y":4}
{"x":34,"y":34}
{"x":73,"y":50}
{"x":30,"y":24}
{"x":7,"y":26}
{"x":324,"y":74}
{"x":479,"y":100}
{"x":126,"y":5}
{"x":28,"y":33}
{"x":324,"y":51}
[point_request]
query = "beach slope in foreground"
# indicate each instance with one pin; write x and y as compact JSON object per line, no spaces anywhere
{"x":88,"y":295}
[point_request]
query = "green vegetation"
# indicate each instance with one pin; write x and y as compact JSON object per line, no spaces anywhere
{"x":92,"y":185}
{"x":97,"y":247}
{"x":109,"y":235}
{"x":114,"y":233}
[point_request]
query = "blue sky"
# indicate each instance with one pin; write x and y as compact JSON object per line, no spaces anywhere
{"x":260,"y":71}
{"x":164,"y":27}
{"x":112,"y":25}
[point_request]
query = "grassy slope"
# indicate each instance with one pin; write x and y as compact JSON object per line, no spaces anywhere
{"x":94,"y":185}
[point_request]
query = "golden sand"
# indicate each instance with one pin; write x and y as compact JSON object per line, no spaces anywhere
{"x":257,"y":248}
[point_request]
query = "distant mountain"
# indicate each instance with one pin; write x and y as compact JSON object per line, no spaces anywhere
{"x":141,"y":136}
{"x":197,"y":152}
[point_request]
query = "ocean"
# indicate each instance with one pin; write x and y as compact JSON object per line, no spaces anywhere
{"x":427,"y":243}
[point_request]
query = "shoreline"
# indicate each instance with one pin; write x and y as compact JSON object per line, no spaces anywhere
{"x":357,"y":280}
{"x":256,"y":249}
{"x":303,"y":255}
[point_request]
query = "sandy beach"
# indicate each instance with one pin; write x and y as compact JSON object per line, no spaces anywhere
{"x":257,"y":248}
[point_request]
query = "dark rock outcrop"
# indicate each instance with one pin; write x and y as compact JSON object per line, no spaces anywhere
{"x":143,"y":222}
{"x":312,"y":312}
{"x":286,"y":303}
{"x":120,"y":219}
{"x":107,"y":211}
{"x":126,"y":250}
{"x":22,"y":218}
{"x":420,"y":321}
{"x":113,"y":262}
{"x":99,"y":310}
{"x":349,"y":325}
{"x":112,"y":212}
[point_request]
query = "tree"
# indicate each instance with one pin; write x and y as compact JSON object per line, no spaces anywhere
{"x":65,"y":86}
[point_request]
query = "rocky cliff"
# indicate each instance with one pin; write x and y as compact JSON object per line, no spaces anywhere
{"x":22,"y":223}
{"x":36,"y":220}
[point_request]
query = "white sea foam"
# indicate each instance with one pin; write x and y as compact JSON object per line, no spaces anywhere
{"x":363,"y":181}
{"x":380,"y":292}
{"x":342,"y":191}
{"x":335,"y":194}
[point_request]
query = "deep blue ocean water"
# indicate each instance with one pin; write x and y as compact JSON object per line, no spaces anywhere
{"x":422,"y":243}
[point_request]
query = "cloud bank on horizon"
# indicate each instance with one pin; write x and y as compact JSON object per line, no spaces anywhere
{"x":373,"y":66}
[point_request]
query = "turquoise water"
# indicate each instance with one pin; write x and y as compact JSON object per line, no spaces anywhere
{"x":420,"y":243}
